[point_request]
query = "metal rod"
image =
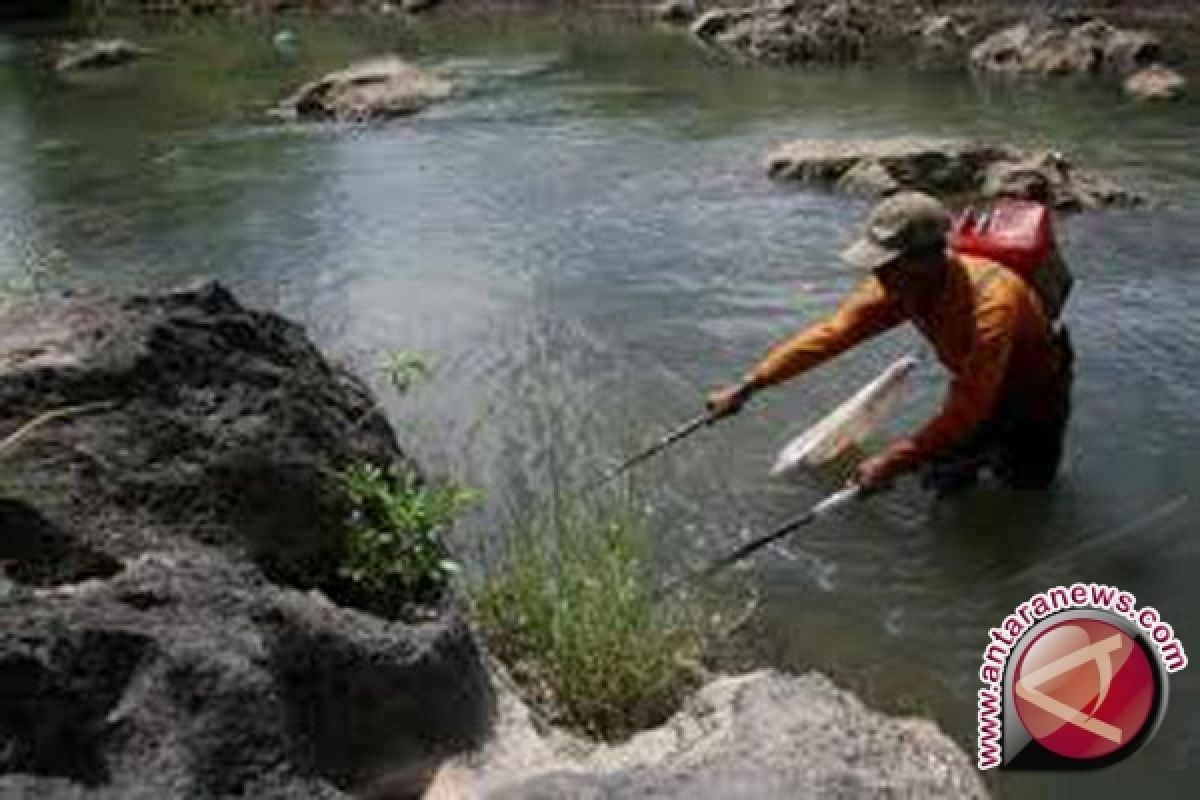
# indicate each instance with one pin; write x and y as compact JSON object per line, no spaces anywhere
{"x":821,"y":509}
{"x":682,"y":432}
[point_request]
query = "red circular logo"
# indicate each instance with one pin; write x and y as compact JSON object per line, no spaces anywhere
{"x":1084,"y":688}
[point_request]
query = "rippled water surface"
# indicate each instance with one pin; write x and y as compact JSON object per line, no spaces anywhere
{"x":585,"y":240}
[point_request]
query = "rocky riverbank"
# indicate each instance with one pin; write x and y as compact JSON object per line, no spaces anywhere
{"x":173,"y":623}
{"x":170,"y":624}
{"x":984,"y":40}
{"x":764,"y":735}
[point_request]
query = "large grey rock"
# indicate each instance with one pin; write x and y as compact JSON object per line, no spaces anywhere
{"x":1155,"y":83}
{"x":950,"y":168}
{"x":763,"y":735}
{"x":1092,"y":48}
{"x":98,"y":54}
{"x":378,"y":89}
{"x":222,"y":426}
{"x":934,"y":165}
{"x":837,"y":33}
{"x":786,"y":32}
{"x":188,"y":675}
{"x":165,"y":630}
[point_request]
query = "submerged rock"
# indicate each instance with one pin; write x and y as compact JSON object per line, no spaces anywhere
{"x":98,"y":54}
{"x":170,"y":637}
{"x":378,"y":89}
{"x":947,"y":167}
{"x":763,"y":735}
{"x":1155,"y":83}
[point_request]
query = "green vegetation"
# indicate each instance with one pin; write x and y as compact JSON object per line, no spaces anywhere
{"x":573,"y":613}
{"x":396,"y":550}
{"x":404,"y":368}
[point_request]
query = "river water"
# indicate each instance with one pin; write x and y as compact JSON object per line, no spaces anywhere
{"x":584,"y":241}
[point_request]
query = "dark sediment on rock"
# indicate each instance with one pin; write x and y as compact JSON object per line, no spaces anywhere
{"x":162,"y":629}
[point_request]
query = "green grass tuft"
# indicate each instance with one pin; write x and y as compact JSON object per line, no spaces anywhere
{"x":573,"y":614}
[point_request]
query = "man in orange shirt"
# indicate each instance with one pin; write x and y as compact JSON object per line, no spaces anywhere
{"x":1010,"y":373}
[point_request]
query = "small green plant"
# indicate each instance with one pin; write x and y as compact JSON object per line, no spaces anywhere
{"x":573,"y":612}
{"x":396,"y":550}
{"x":404,"y":369}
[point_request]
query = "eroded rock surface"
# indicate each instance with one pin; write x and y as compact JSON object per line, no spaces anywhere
{"x":1093,"y":48}
{"x":163,"y":629}
{"x":950,"y":168}
{"x":788,"y":32}
{"x":378,"y":89}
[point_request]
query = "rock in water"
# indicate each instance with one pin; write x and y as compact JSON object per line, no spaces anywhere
{"x":98,"y":54}
{"x":378,"y":89}
{"x":950,"y":168}
{"x":1155,"y":83}
{"x":170,"y":638}
{"x":1093,"y":48}
{"x":793,"y":33}
{"x":935,"y":165}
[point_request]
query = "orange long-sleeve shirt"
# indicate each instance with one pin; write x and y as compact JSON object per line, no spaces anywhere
{"x":987,"y":328}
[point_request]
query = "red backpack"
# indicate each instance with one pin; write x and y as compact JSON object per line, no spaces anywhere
{"x":1020,"y":235}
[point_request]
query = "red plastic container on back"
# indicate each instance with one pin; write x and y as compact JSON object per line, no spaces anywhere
{"x":1017,"y":233}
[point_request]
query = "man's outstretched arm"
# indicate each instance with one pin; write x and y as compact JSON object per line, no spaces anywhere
{"x":865,"y":313}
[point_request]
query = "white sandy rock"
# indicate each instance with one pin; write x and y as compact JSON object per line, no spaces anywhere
{"x":764,"y":735}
